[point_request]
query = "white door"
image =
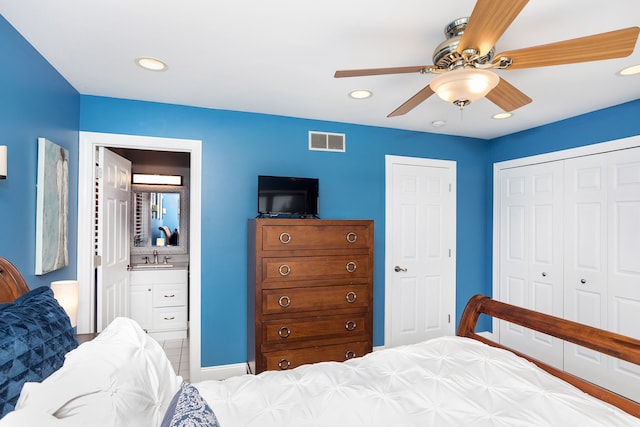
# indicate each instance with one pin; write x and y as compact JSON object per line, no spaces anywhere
{"x":420,"y":289}
{"x":531,"y":253}
{"x":623,"y":276}
{"x":114,"y":198}
{"x":602,"y":260}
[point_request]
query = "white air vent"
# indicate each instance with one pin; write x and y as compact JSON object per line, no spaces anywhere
{"x":324,"y":141}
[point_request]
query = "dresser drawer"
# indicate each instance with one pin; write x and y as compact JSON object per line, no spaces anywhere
{"x":343,"y":268}
{"x":280,"y":301}
{"x":305,"y":329}
{"x":167,"y":318}
{"x":316,"y":236}
{"x":169,"y":295}
{"x":289,"y":359}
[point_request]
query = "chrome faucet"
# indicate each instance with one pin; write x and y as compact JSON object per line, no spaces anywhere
{"x":155,"y":256}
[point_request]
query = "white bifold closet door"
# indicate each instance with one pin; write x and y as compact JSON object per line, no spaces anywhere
{"x":570,"y":246}
{"x":602,"y":260}
{"x":531,"y":253}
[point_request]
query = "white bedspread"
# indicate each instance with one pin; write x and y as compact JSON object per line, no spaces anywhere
{"x":449,"y":381}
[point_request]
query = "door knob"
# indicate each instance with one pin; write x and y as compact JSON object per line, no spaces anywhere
{"x":398,"y":269}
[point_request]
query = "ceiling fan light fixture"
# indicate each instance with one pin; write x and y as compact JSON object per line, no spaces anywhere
{"x":464,"y":85}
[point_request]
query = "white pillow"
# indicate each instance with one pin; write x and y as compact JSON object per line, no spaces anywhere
{"x":121,"y":378}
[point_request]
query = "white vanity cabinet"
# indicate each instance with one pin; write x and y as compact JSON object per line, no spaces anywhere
{"x":158,"y":301}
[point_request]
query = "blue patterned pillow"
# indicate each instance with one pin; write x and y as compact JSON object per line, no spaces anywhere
{"x":35,"y":335}
{"x":189,"y":409}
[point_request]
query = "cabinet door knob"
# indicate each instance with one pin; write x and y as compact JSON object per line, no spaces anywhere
{"x":351,"y":297}
{"x":284,"y":301}
{"x":284,"y":364}
{"x":284,"y":270}
{"x":285,"y":238}
{"x":352,"y":237}
{"x":350,"y":325}
{"x":544,"y":274}
{"x":351,"y":266}
{"x":583,"y":281}
{"x":284,"y":332}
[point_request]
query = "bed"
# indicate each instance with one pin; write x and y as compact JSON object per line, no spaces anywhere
{"x":122,"y":378}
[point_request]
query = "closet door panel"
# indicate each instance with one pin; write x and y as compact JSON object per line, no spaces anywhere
{"x":624,"y":261}
{"x":531,"y":253}
{"x":585,"y":258}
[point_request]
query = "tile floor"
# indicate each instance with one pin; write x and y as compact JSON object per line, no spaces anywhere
{"x":178,"y":354}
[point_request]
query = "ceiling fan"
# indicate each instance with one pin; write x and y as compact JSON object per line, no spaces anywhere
{"x":462,"y":63}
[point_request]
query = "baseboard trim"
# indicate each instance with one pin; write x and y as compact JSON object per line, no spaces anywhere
{"x":221,"y":372}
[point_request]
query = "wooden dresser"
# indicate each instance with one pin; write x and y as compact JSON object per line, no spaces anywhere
{"x":310,"y":291}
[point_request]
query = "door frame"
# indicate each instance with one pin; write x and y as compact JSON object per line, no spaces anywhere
{"x":498,"y":167}
{"x":390,"y":160}
{"x":88,"y":142}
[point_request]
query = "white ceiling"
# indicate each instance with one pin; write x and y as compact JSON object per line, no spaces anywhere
{"x":279,"y":56}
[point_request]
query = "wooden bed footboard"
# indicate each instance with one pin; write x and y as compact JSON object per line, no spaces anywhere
{"x":609,"y":343}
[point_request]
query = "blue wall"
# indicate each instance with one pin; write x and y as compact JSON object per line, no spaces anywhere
{"x":36,"y":102}
{"x":237,"y":147}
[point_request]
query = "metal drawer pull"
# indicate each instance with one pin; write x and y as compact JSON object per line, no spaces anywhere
{"x":544,"y":274}
{"x":349,"y":354}
{"x":351,"y":266}
{"x":170,"y":318}
{"x":583,"y":281}
{"x":285,"y":238}
{"x":351,"y":297}
{"x":284,"y":364}
{"x":284,"y":332}
{"x":284,"y":270}
{"x":350,"y":325}
{"x":170,"y":296}
{"x":352,"y":237}
{"x":284,"y":301}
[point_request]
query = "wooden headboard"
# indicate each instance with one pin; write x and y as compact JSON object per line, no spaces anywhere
{"x":12,"y":284}
{"x":609,"y":343}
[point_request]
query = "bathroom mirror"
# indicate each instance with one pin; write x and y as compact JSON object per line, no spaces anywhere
{"x":158,"y":219}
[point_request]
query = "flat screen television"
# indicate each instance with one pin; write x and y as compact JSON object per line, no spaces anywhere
{"x":287,"y":196}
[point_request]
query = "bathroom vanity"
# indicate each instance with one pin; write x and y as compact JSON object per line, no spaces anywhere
{"x":158,"y":299}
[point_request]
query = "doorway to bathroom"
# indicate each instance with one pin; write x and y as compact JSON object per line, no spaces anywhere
{"x":87,"y":257}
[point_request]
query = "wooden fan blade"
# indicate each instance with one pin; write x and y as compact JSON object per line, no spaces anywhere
{"x":380,"y":71}
{"x":614,"y":44}
{"x":413,"y":102}
{"x":488,"y":21}
{"x":507,"y":97}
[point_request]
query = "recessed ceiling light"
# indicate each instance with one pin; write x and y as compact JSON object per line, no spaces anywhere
{"x":629,"y":71}
{"x":151,"y":64}
{"x":501,"y":116}
{"x":438,"y":123}
{"x":360,"y":94}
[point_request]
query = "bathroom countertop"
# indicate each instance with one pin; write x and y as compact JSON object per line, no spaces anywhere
{"x":160,"y":266}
